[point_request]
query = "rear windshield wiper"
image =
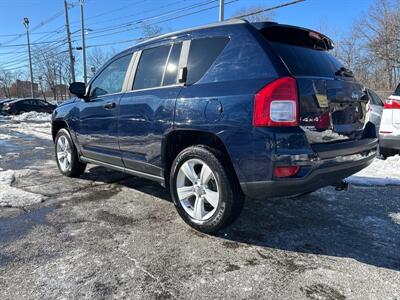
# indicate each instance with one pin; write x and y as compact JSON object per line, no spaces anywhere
{"x":344,"y":72}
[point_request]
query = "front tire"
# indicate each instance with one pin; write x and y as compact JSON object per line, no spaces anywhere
{"x":67,"y":156}
{"x":203,"y":189}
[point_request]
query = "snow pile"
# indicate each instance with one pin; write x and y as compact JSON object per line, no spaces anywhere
{"x":32,"y":116}
{"x":380,"y":172}
{"x":40,"y":130}
{"x":12,"y":196}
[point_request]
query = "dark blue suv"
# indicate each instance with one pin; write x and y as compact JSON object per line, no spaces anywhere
{"x":220,"y":112}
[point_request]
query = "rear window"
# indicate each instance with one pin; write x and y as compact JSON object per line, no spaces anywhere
{"x":397,"y":91}
{"x":302,"y":54}
{"x":303,"y":61}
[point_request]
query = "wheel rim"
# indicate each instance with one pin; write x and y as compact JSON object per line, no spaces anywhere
{"x":64,"y":153}
{"x":197,"y":189}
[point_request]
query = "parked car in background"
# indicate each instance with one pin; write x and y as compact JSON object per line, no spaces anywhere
{"x":374,"y":109}
{"x":20,"y":106}
{"x":389,"y":132}
{"x":2,"y":102}
{"x":220,"y":112}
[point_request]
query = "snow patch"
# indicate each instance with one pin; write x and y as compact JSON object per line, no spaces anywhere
{"x":12,"y":196}
{"x":379,"y":173}
{"x":39,"y":130}
{"x":395,"y":217}
{"x":5,"y":136}
{"x":32,"y":116}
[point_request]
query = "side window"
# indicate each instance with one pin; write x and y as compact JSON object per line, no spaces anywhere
{"x":171,"y":71}
{"x":151,"y":67}
{"x":202,"y":54}
{"x":397,"y":91}
{"x":111,"y":79}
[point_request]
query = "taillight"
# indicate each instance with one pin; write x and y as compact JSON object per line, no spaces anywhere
{"x":277,"y":104}
{"x":286,"y":171}
{"x":392,"y":104}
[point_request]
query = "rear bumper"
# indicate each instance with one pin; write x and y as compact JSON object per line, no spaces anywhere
{"x":324,"y":170}
{"x":389,"y":141}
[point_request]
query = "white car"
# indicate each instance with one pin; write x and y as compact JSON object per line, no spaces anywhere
{"x":374,"y":109}
{"x":389,"y":131}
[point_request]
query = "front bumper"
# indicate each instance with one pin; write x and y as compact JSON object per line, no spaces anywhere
{"x":327,"y":168}
{"x":389,"y":141}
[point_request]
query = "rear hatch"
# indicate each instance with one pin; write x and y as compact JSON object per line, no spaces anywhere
{"x":331,"y":103}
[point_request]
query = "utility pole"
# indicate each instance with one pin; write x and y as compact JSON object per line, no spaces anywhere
{"x":26,"y":24}
{"x":221,"y":10}
{"x":61,"y":85}
{"x":71,"y":55}
{"x":83,"y":43}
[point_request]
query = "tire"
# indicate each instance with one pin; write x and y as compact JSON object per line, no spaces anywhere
{"x":209,"y":200}
{"x":68,"y":162}
{"x":385,"y":153}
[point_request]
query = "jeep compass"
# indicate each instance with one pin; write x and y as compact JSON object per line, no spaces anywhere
{"x":219,"y":113}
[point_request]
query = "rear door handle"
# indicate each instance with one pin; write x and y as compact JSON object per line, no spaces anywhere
{"x":110,"y":105}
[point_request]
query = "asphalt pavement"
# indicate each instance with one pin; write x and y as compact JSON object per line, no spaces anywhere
{"x":110,"y":235}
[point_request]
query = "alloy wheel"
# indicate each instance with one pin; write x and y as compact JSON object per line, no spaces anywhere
{"x":197,"y":189}
{"x":64,"y":153}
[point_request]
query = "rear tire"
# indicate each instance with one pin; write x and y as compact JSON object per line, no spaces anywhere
{"x":204,"y":190}
{"x":67,"y":156}
{"x":385,"y":153}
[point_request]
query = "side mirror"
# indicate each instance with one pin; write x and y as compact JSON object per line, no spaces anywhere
{"x":78,"y":89}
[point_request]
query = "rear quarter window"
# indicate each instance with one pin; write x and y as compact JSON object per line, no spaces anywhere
{"x":202,"y":54}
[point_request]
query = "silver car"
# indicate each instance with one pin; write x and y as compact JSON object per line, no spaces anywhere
{"x":374,"y":109}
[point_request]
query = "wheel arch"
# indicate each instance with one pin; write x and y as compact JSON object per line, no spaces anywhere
{"x":56,"y":125}
{"x":180,"y":139}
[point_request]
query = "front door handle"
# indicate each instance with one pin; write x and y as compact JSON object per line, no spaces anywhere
{"x":110,"y":105}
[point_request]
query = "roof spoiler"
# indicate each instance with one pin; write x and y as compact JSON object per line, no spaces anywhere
{"x":312,"y":33}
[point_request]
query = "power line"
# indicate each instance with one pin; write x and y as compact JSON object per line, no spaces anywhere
{"x":270,"y":8}
{"x":143,"y":20}
{"x":41,"y":24}
{"x":142,"y":39}
{"x":134,"y":15}
{"x":110,"y":11}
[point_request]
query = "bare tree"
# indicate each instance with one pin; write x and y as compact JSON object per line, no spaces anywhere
{"x":254,"y":16}
{"x":6,"y":80}
{"x":98,"y":57}
{"x":151,"y":30}
{"x":379,"y":29}
{"x":53,"y":67}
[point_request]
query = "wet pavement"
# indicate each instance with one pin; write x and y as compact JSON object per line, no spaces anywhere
{"x":111,"y":235}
